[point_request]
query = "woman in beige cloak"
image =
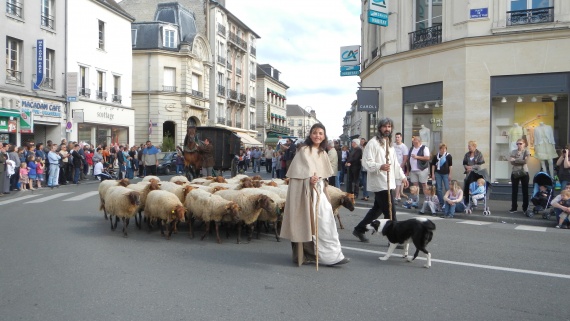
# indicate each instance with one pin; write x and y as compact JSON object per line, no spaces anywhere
{"x":306,"y":197}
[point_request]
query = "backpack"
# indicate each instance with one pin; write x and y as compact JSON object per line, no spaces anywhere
{"x":421,"y":164}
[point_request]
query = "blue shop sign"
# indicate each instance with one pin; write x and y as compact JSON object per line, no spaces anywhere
{"x":479,"y":13}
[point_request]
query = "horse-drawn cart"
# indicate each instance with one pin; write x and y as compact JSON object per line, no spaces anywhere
{"x":226,"y":146}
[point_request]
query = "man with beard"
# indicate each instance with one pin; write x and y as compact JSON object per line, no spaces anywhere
{"x":378,"y":165}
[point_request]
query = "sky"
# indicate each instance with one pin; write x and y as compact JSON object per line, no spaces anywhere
{"x":302,"y":39}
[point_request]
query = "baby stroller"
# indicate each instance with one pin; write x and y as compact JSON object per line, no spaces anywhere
{"x":471,"y":184}
{"x":541,"y":198}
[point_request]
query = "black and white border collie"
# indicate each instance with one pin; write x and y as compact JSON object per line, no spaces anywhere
{"x":419,"y":230}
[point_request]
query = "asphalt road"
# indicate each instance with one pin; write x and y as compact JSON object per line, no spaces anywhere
{"x":59,"y":260}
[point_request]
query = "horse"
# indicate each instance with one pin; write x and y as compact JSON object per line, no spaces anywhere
{"x":192,"y":160}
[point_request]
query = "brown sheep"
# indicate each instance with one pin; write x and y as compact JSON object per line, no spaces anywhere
{"x":339,"y":198}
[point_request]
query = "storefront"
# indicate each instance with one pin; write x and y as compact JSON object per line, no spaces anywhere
{"x":102,"y":125}
{"x":9,"y":125}
{"x":41,"y":120}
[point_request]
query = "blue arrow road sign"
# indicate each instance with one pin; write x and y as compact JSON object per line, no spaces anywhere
{"x":350,"y":68}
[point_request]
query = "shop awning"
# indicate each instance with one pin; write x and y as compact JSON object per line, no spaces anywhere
{"x":271,"y":140}
{"x":248,"y":140}
{"x":9,"y":113}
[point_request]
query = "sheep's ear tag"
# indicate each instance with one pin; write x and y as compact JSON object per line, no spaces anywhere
{"x":172,"y":212}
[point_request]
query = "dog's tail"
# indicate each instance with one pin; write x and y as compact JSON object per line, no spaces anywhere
{"x":428,"y":225}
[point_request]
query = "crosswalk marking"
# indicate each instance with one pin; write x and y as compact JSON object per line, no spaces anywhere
{"x":19,"y":199}
{"x":81,"y":196}
{"x":474,"y":223}
{"x":47,"y":198}
{"x":530,"y":228}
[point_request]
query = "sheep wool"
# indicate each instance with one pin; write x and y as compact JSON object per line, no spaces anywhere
{"x":104,"y":187}
{"x":123,"y":203}
{"x":166,"y":207}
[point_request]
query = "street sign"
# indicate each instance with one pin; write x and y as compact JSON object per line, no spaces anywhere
{"x":349,"y":68}
{"x":479,"y":13}
{"x":376,"y":21}
{"x":379,"y":15}
{"x":350,"y":73}
{"x":378,"y":12}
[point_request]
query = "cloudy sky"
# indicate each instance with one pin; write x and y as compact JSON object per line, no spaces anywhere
{"x":303,"y":41}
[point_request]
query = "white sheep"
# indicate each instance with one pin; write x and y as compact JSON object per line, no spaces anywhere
{"x":236,"y":179}
{"x":143,"y":189}
{"x":166,"y":207}
{"x":250,"y":207}
{"x":226,"y":185}
{"x":274,"y":216}
{"x":179,"y":179}
{"x":104,"y":187}
{"x":282,"y":192}
{"x":149,"y":177}
{"x":121,"y":202}
{"x":339,"y":198}
{"x":179,"y":190}
{"x":207,"y":207}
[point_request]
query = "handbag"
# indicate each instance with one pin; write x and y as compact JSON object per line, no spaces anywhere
{"x":518,"y":174}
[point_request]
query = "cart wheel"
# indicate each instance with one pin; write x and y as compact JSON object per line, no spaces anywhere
{"x":488,"y":213}
{"x":529,"y":213}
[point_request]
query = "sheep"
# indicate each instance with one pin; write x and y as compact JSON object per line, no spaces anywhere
{"x":274,"y":215}
{"x":207,"y":207}
{"x":143,"y":189}
{"x":226,"y":185}
{"x":121,"y":202}
{"x":273,"y":182}
{"x":104,"y":186}
{"x":179,"y":179}
{"x":282,"y":192}
{"x":250,"y":208}
{"x":166,"y":207}
{"x":236,"y":179}
{"x":179,"y":190}
{"x":149,"y":177}
{"x":339,"y":198}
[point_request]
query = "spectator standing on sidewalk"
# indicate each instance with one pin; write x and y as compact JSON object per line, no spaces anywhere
{"x":150,"y":158}
{"x":268,"y":159}
{"x":563,"y":168}
{"x":333,"y":158}
{"x":256,"y":155}
{"x":402,"y":157}
{"x":353,"y":165}
{"x":54,"y":158}
{"x":15,"y":157}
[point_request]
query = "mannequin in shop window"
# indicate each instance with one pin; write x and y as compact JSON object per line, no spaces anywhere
{"x":425,"y":135}
{"x":515,"y":133}
{"x":544,"y":147}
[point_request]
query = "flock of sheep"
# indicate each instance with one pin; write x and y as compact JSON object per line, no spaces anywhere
{"x":241,"y":200}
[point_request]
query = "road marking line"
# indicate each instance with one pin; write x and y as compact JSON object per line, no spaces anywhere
{"x":530,"y":228}
{"x":19,"y":199}
{"x":82,"y":196}
{"x":474,"y":223}
{"x":481,"y":266}
{"x":43,"y":199}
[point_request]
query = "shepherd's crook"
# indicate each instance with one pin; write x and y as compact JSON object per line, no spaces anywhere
{"x":386,"y":147}
{"x":317,"y":224}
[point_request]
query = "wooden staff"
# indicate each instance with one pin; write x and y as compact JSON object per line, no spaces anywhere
{"x":388,"y":177}
{"x":317,"y":224}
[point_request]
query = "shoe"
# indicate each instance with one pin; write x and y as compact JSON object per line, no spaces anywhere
{"x":557,"y":226}
{"x":341,"y":262}
{"x":512,"y":211}
{"x":421,"y":213}
{"x":433,"y":214}
{"x":360,"y":236}
{"x":442,"y":216}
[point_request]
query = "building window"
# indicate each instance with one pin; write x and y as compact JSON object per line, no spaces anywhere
{"x":13,"y":59}
{"x":169,"y":82}
{"x":427,"y":14}
{"x":134,"y":37}
{"x":14,"y":7}
{"x":101,"y":93}
{"x":169,"y":38}
{"x":84,"y":82}
{"x":196,"y":86}
{"x":117,"y":89}
{"x":49,"y":72}
{"x":47,"y":13}
{"x":530,"y":11}
{"x":291,"y":122}
{"x":101,"y":35}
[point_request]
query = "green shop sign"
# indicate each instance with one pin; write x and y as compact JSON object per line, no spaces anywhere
{"x":26,"y":121}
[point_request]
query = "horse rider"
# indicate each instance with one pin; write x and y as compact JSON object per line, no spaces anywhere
{"x":191,"y":136}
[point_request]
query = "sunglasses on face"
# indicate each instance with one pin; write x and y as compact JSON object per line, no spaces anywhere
{"x":519,"y":143}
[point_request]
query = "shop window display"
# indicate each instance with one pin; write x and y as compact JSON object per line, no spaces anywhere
{"x":424,"y":119}
{"x":541,"y":120}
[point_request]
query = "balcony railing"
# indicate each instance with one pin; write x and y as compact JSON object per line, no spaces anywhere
{"x":14,"y":9}
{"x":197,"y":93}
{"x":85,"y":92}
{"x":221,"y":120}
{"x":169,"y":88}
{"x":238,"y":71}
{"x":232,"y":94}
{"x":523,"y":17}
{"x":425,"y":37}
{"x":279,"y":129}
{"x":221,"y":60}
{"x":221,"y":90}
{"x":47,"y":21}
{"x":101,"y":95}
{"x":242,"y":98}
{"x":252,"y":77}
{"x":253,"y":51}
{"x":13,"y":75}
{"x":229,"y":65}
{"x":237,"y":41}
{"x":238,"y":124}
{"x":117,"y":99}
{"x":48,"y":83}
{"x":222,"y":29}
{"x":252,"y":101}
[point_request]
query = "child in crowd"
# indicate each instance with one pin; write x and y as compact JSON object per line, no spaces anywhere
{"x":24,"y":180}
{"x":431,"y":201}
{"x":564,"y":201}
{"x":452,"y":197}
{"x":39,"y":171}
{"x":413,"y":199}
{"x":32,"y":175}
{"x":542,"y":198}
{"x":477,"y":191}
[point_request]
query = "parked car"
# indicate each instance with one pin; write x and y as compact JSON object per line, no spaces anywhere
{"x":166,"y":163}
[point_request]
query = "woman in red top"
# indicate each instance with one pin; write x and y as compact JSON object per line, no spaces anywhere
{"x":88,"y":159}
